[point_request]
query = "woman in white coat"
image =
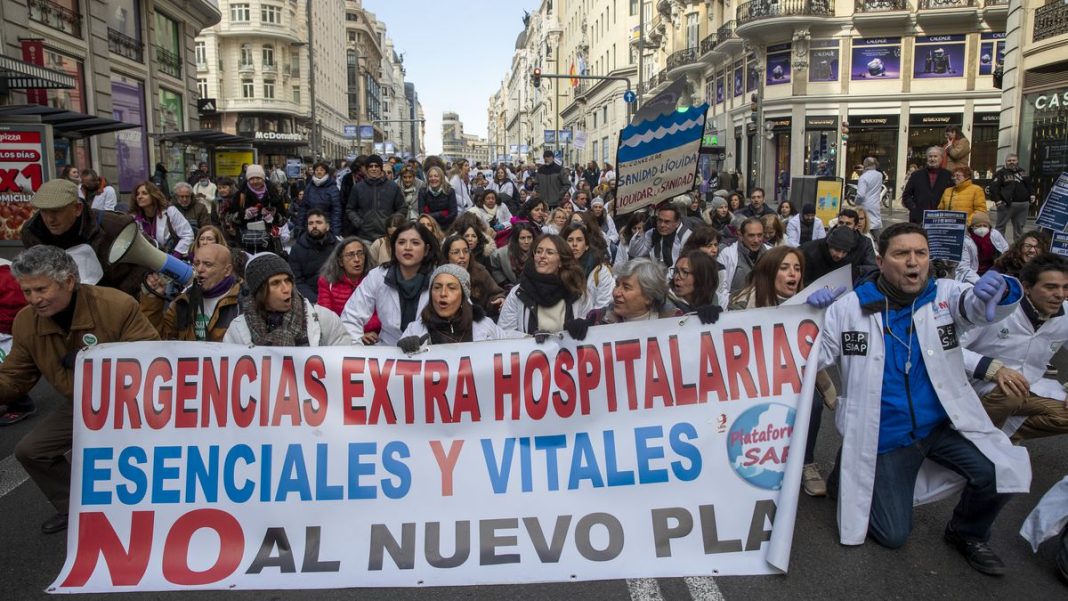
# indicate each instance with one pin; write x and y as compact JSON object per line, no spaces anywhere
{"x":551,"y":290}
{"x":882,"y":462}
{"x":159,"y":221}
{"x":460,"y":183}
{"x":450,"y":317}
{"x":982,"y":246}
{"x":590,"y":253}
{"x":398,"y":290}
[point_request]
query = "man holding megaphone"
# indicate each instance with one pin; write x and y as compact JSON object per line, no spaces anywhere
{"x":86,"y":234}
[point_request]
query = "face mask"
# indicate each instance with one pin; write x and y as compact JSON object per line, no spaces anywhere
{"x":981,"y":231}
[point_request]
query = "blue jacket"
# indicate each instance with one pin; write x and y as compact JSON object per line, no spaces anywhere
{"x":326,"y":198}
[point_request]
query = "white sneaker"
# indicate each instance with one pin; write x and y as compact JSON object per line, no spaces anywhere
{"x":812,"y":482}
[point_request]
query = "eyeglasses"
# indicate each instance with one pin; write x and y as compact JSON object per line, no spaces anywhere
{"x":1030,"y":247}
{"x":459,"y":252}
{"x":353,"y":255}
{"x":683,"y":272}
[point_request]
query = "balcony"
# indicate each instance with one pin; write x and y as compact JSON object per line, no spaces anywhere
{"x":727,"y":40}
{"x":947,"y":12}
{"x":996,"y":13}
{"x":123,"y":45}
{"x":709,"y":43}
{"x":258,"y":29}
{"x":881,"y":13}
{"x":56,"y":16}
{"x":683,"y":60}
{"x":270,"y":68}
{"x":1051,"y":20}
{"x":168,"y":62}
{"x":262,"y":105}
{"x":762,"y":16}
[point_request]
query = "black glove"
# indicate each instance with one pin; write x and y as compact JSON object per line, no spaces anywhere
{"x":709,"y":314}
{"x":411,"y":344}
{"x":541,"y":336}
{"x":577,"y":328}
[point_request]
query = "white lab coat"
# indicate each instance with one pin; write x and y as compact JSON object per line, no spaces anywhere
{"x":463,"y":193}
{"x":968,"y":267}
{"x":793,"y":230}
{"x":1015,"y":343}
{"x":599,"y":286}
{"x":728,"y":258}
{"x":105,"y":199}
{"x":373,"y":294}
{"x":515,"y":314}
{"x":182,"y":230}
{"x":484,"y":329}
{"x":642,"y":246}
{"x":1048,"y":518}
{"x":858,"y":413}
{"x":324,"y":328}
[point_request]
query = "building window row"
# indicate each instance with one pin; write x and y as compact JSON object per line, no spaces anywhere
{"x":270,"y":14}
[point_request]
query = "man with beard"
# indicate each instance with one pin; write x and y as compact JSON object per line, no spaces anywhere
{"x":739,"y":258}
{"x":205,"y":311}
{"x":97,"y":192}
{"x":1011,"y":190}
{"x":552,"y":179}
{"x":194,"y":212}
{"x":924,"y":188}
{"x":311,"y":251}
{"x":274,"y":313}
{"x":804,"y":227}
{"x":843,"y":246}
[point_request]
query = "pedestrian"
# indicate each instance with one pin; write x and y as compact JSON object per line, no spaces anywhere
{"x":321,"y":193}
{"x":160,"y":222}
{"x":257,"y":214}
{"x":551,"y":290}
{"x":964,"y":196}
{"x":1023,"y":250}
{"x":484,"y":291}
{"x":380,"y":249}
{"x":982,"y":246}
{"x":869,"y":193}
{"x":275,"y":313}
{"x":786,"y":211}
{"x":312,"y":250}
{"x":552,"y":180}
{"x":739,"y":258}
{"x":774,"y":232}
{"x":640,"y":293}
{"x":459,"y":181}
{"x":494,"y":215}
{"x":194,"y":213}
{"x":438,"y":199}
{"x":478,"y":236}
{"x":1012,"y":193}
{"x":507,"y":191}
{"x":159,"y":179}
{"x":783,"y":184}
{"x":592,"y":255}
{"x":756,"y":207}
{"x":957,"y":149}
{"x":96,"y":191}
{"x":924,"y":188}
{"x":411,"y":187}
{"x":842,"y":246}
{"x":694,"y":281}
{"x":341,"y":275}
{"x":64,"y":316}
{"x":506,"y":263}
{"x":919,"y":406}
{"x":664,"y":242}
{"x":372,"y":201}
{"x":205,"y":311}
{"x":804,"y":227}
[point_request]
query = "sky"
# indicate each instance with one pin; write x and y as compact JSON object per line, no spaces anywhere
{"x":456,"y":54}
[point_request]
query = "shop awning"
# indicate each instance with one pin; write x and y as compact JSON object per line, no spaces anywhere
{"x":67,"y":124}
{"x":19,"y":75}
{"x":204,"y":137}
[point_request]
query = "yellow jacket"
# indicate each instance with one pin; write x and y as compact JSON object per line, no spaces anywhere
{"x":966,"y":197}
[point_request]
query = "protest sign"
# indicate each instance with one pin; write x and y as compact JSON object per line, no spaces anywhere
{"x":1059,"y":245}
{"x":1054,"y":212}
{"x":945,"y":233}
{"x":650,"y":449}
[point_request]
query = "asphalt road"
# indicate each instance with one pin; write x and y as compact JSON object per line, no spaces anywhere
{"x":820,"y":567}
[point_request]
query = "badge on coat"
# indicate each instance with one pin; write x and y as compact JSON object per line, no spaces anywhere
{"x":948,"y":335}
{"x":855,"y":343}
{"x":89,"y":339}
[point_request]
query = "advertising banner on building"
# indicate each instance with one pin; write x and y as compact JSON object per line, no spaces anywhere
{"x":945,"y":233}
{"x":24,"y":158}
{"x":128,"y":106}
{"x":720,"y":93}
{"x":938,"y":56}
{"x":991,"y":52}
{"x":876,"y":58}
{"x":823,"y":61}
{"x":778,"y":65}
{"x":739,"y":80}
{"x":828,"y":199}
{"x":752,"y":75}
{"x":653,"y":449}
{"x":228,"y":162}
{"x":657,"y":155}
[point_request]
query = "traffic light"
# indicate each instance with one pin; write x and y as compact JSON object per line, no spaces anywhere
{"x":536,"y":78}
{"x":845,"y":132}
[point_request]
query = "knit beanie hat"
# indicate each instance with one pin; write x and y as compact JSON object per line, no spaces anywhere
{"x":457,"y":272}
{"x":721,"y":194}
{"x":374,"y":159}
{"x":718,"y":201}
{"x":842,"y":238}
{"x":254,"y":171}
{"x":598,"y":201}
{"x":808,"y":209}
{"x":263,"y":267}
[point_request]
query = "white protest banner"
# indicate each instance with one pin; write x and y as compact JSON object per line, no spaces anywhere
{"x":650,"y":449}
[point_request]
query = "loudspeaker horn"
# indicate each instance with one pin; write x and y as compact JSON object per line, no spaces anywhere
{"x":131,"y":247}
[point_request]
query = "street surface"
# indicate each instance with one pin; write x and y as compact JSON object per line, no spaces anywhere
{"x":926,"y":568}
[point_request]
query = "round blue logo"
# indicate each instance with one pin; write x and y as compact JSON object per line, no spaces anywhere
{"x":758,"y":444}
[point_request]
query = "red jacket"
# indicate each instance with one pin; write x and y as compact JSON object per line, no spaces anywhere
{"x":12,"y":299}
{"x":334,"y":296}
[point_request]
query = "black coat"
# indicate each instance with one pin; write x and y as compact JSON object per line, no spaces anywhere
{"x":306,"y":258}
{"x":919,"y":196}
{"x":818,"y":260}
{"x":443,"y":207}
{"x":1011,"y":186}
{"x":369,"y":206}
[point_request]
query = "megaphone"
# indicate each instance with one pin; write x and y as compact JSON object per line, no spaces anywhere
{"x":131,"y":247}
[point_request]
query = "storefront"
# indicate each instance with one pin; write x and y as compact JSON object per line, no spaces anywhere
{"x":276,"y":137}
{"x":927,"y":130}
{"x":821,"y":145}
{"x":984,"y":159}
{"x":875,"y":136}
{"x":779,"y":136}
{"x":1044,"y":135}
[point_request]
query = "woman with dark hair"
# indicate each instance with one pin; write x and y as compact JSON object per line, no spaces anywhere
{"x":694,"y":281}
{"x":735,"y":202}
{"x":339,"y":277}
{"x":397,"y":291}
{"x":506,"y":263}
{"x":159,"y":221}
{"x":379,"y":252}
{"x":451,"y":316}
{"x":507,"y":191}
{"x":472,"y":229}
{"x":704,"y":238}
{"x":720,"y":218}
{"x":71,"y":172}
{"x":1030,"y":245}
{"x":776,"y":277}
{"x":321,"y":193}
{"x":590,"y":252}
{"x":551,"y":290}
{"x":604,"y":221}
{"x":484,"y":291}
{"x":535,"y":211}
{"x":495,"y":215}
{"x":785,"y":210}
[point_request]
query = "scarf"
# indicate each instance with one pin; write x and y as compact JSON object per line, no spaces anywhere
{"x":318,"y":181}
{"x":895,"y":297}
{"x":544,"y":289}
{"x":665,"y":244}
{"x":277,"y":329}
{"x":409,"y":291}
{"x":746,"y":260}
{"x":259,"y":192}
{"x":447,"y":331}
{"x":806,"y":230}
{"x":987,"y":253}
{"x":147,"y":225}
{"x":435,"y":191}
{"x":588,"y":263}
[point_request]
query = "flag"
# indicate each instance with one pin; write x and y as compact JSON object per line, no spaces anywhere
{"x":571,"y":72}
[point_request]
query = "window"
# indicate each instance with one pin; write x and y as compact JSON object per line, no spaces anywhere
{"x":594,"y":150}
{"x":239,"y":13}
{"x":202,"y":55}
{"x":633,"y":11}
{"x":268,"y":56}
{"x":271,"y":14}
{"x":247,"y":89}
{"x":167,"y":34}
{"x":246,"y":55}
{"x":604,"y":115}
{"x":268,"y":88}
{"x":595,"y":123}
{"x":352,"y":36}
{"x":296,"y":94}
{"x":604,"y":149}
{"x":202,"y":88}
{"x":693,"y":29}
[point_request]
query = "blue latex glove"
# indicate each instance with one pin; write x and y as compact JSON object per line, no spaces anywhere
{"x":824,"y":297}
{"x":990,"y":289}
